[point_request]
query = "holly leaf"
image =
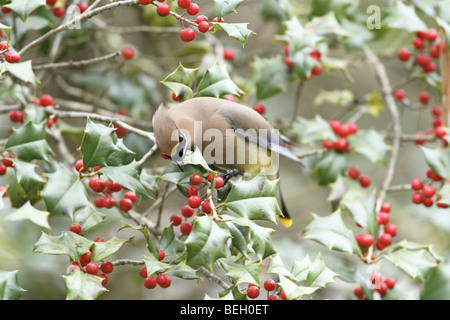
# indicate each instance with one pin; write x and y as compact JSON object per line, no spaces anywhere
{"x":277,"y":266}
{"x":9,"y":286}
{"x":59,"y":193}
{"x":329,"y":167}
{"x":370,"y":144}
{"x":240,"y":237}
{"x":224,"y":7}
{"x":437,"y":285}
{"x":402,"y":16}
{"x":183,"y":271}
{"x":250,"y":273}
{"x":83,"y":286}
{"x":311,"y":130}
{"x":294,"y":291}
{"x":23,"y":8}
{"x":68,"y":243}
{"x":254,"y":199}
{"x":150,"y":245}
{"x":153,"y":265}
{"x":216,"y":82}
{"x":169,"y":242}
{"x":128,"y":176}
{"x":331,"y":232}
{"x":28,"y":142}
{"x":181,"y":81}
{"x":104,"y":249}
{"x":28,"y":212}
{"x":438,"y":160}
{"x":238,"y":31}
{"x":23,"y":71}
{"x":363,"y":211}
{"x":27,"y":177}
{"x":206,"y":243}
{"x":88,"y":218}
{"x":98,"y":144}
{"x":318,"y":274}
{"x":117,"y":157}
{"x":268,"y":77}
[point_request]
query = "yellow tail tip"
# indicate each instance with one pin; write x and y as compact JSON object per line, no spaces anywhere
{"x":287,"y":222}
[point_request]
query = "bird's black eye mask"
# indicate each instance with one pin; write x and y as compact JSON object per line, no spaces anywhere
{"x":180,"y":150}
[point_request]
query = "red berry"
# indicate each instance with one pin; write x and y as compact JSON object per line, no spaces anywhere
{"x":162,"y":254}
{"x":150,"y":282}
{"x":431,"y":34}
{"x":206,"y":206}
{"x":274,"y":297}
{"x":176,"y":219}
{"x":269,"y":284}
{"x":385,"y":239}
{"x":85,"y":258}
{"x":79,"y":165}
{"x":187,"y":211}
{"x":184,"y":4}
{"x":191,"y":191}
{"x":260,"y":108}
{"x":383,"y":218}
{"x":193,"y":9}
{"x":163,"y":9}
{"x":335,"y":125}
{"x":82,"y":6}
{"x":125,"y":204}
{"x":417,"y":198}
{"x":317,"y":70}
{"x":328,"y":144}
{"x":341,"y":144}
{"x":422,"y":59}
{"x":4,"y":45}
{"x":12,"y":56}
{"x":6,"y":10}
{"x":382,"y":289}
{"x":399,"y":94}
{"x":114,"y":187}
{"x":416,"y":184}
{"x":430,"y":66}
{"x":418,"y":43}
{"x":385,"y":207}
{"x":107,"y":267}
{"x":143,"y":272}
{"x":390,"y":282}
{"x":424,"y":97}
{"x":51,"y":121}
{"x":364,"y":181}
{"x":353,"y":173}
{"x":59,"y":12}
{"x":186,"y":228}
{"x":187,"y":34}
{"x":364,"y":240}
{"x":228,"y":53}
{"x":2,"y":169}
{"x":109,"y":202}
{"x":98,"y":185}
{"x":427,"y":202}
{"x":403,"y":54}
{"x":92,"y":268}
{"x":50,"y":3}
{"x":288,"y":62}
{"x":440,"y":132}
{"x":16,"y":116}
{"x":163,"y":280}
{"x":201,"y":18}
{"x":203,"y":26}
{"x":98,"y":202}
{"x":104,"y":277}
{"x":219,"y":182}
{"x":46,"y":100}
{"x":428,"y":191}
{"x":145,"y":2}
{"x":195,"y":179}
{"x":436,"y":111}
{"x":128,"y":53}
{"x":253,"y":292}
{"x":283,"y":295}
{"x":434,"y":51}
{"x":390,"y":229}
{"x":315,"y":54}
{"x":130,"y":195}
{"x":75,"y":228}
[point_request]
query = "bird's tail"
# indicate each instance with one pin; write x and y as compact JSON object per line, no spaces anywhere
{"x":286,"y":219}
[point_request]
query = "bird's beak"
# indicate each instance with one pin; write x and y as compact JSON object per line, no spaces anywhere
{"x":181,"y":167}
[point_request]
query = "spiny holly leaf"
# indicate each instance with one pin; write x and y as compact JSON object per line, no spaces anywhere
{"x":345,"y":189}
{"x":169,"y":242}
{"x":87,"y":217}
{"x":327,"y":25}
{"x":183,"y":271}
{"x":297,"y":37}
{"x":68,"y":243}
{"x":28,"y":212}
{"x":224,"y":7}
{"x":240,"y":237}
{"x":98,"y":144}
{"x":104,"y":249}
{"x":27,"y":177}
{"x":117,"y":157}
{"x":23,"y":8}
{"x":59,"y":193}
{"x":9,"y":286}
{"x":401,"y":16}
{"x":331,"y":232}
{"x":250,"y":273}
{"x":300,"y":269}
{"x":363,"y":211}
{"x":150,"y":245}
{"x":83,"y":286}
{"x":153,"y":265}
{"x":329,"y":167}
{"x":310,"y":130}
{"x":206,"y":243}
{"x":217,"y":83}
{"x":268,"y":77}
{"x":318,"y":274}
{"x":150,"y":182}
{"x":181,"y":81}
{"x":438,"y":160}
{"x":437,"y":286}
{"x":23,"y":71}
{"x":370,"y":144}
{"x":6,"y":30}
{"x":294,"y":291}
{"x":128,"y":176}
{"x":238,"y":31}
{"x":254,"y":199}
{"x":28,"y":142}
{"x":277,"y":266}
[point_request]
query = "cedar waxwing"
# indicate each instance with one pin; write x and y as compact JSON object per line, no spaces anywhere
{"x":230,"y":136}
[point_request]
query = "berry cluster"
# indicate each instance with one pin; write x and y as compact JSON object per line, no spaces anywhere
{"x":381,"y":286}
{"x":201,"y":203}
{"x":108,"y":187}
{"x":84,"y":262}
{"x":6,"y":163}
{"x":45,"y":100}
{"x":343,"y":131}
{"x":161,"y":279}
{"x":314,"y":53}
{"x":425,"y":193}
{"x":354,"y":173}
{"x":253,"y":291}
{"x":11,"y":56}
{"x":60,"y":11}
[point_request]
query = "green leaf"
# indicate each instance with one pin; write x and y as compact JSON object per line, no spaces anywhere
{"x":150,"y":245}
{"x":294,"y":291}
{"x":153,"y":265}
{"x":268,"y":77}
{"x":104,"y":249}
{"x":238,"y":31}
{"x":128,"y":176}
{"x":98,"y":144}
{"x":88,"y":218}
{"x":23,"y":71}
{"x":363,"y":211}
{"x":216,"y":82}
{"x":250,"y":273}
{"x":23,"y":8}
{"x":224,"y":7}
{"x":331,"y":232}
{"x":240,"y":237}
{"x":173,"y":174}
{"x":438,"y":160}
{"x":181,"y":81}
{"x":68,"y":243}
{"x":16,"y":194}
{"x":254,"y":199}
{"x":27,"y":177}
{"x":300,"y":269}
{"x":169,"y":242}
{"x":117,"y":157}
{"x":34,"y":113}
{"x":195,"y":158}
{"x":401,"y":16}
{"x":206,"y":243}
{"x":341,"y":98}
{"x":83,"y":286}
{"x":329,"y":167}
{"x":28,"y":142}
{"x":6,"y":30}
{"x":319,"y":275}
{"x":28,"y":212}
{"x":437,"y":285}
{"x":311,"y":130}
{"x":183,"y":271}
{"x":370,"y":144}
{"x":9,"y":286}
{"x":297,"y":37}
{"x":150,"y":182}
{"x":277,"y":266}
{"x":59,"y":193}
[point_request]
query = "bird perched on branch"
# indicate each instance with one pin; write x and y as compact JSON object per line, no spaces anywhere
{"x":232,"y":137}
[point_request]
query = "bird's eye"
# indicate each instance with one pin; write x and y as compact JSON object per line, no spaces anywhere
{"x":180,"y":138}
{"x":180,"y":153}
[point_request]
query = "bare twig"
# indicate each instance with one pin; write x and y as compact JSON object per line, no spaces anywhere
{"x":80,"y":63}
{"x":159,"y":201}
